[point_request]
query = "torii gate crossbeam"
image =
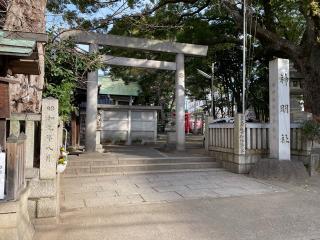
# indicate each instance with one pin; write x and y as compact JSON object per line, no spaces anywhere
{"x":180,"y":49}
{"x":140,"y":63}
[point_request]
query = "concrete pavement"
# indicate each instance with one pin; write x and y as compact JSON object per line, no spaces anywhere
{"x":291,"y":215}
{"x":192,"y":205}
{"x":104,"y":191}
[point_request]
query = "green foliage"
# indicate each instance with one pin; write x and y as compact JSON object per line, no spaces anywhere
{"x":61,"y":160}
{"x":224,"y":49}
{"x":311,"y":130}
{"x":64,"y":93}
{"x":91,"y":14}
{"x":66,"y":68}
{"x":282,"y":28}
{"x":157,"y":85}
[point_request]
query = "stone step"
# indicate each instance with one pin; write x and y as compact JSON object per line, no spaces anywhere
{"x":130,"y":161}
{"x":127,"y":168}
{"x":215,"y":169}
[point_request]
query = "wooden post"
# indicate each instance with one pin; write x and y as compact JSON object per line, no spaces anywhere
{"x":78,"y":132}
{"x":74,"y":130}
{"x":3,"y":132}
{"x":12,"y":183}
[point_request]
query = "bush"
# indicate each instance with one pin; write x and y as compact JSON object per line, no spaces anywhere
{"x":311,"y":130}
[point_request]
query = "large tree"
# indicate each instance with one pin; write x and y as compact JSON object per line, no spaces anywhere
{"x":66,"y":68}
{"x":285,"y":28}
{"x":25,"y":16}
{"x":225,"y":48}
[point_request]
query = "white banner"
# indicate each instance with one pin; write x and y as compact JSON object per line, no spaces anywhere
{"x":2,"y":174}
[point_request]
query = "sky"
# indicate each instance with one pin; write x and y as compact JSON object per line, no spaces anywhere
{"x":56,"y":20}
{"x":121,"y":8}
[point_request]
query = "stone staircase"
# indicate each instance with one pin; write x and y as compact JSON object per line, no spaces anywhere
{"x":107,"y":164}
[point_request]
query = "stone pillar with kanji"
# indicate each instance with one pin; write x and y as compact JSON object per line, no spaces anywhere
{"x":47,"y":187}
{"x":279,"y":103}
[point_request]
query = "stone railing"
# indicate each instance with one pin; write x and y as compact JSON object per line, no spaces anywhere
{"x":221,"y":137}
{"x":30,"y":121}
{"x":257,"y":137}
{"x":220,"y":143}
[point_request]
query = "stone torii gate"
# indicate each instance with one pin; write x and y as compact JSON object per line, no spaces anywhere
{"x":180,"y":49}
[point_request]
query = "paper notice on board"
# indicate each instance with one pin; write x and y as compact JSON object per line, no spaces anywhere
{"x":2,"y":174}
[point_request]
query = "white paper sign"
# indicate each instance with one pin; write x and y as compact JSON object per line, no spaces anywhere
{"x":2,"y":174}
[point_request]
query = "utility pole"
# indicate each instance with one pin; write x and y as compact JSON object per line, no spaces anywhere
{"x":212,"y":93}
{"x":244,"y":58}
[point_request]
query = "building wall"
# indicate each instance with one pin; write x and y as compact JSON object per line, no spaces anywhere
{"x":116,"y":125}
{"x":125,"y":124}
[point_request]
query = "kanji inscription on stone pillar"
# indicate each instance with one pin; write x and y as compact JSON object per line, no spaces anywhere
{"x":49,"y":138}
{"x":279,"y":98}
{"x":239,"y":135}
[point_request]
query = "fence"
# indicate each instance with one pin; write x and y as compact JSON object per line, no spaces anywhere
{"x":16,"y":158}
{"x":221,"y":144}
{"x":221,"y":136}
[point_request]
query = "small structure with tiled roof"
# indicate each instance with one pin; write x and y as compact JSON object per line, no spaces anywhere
{"x":117,"y":91}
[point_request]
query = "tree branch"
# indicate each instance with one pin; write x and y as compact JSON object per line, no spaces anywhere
{"x":266,"y":36}
{"x":189,"y":14}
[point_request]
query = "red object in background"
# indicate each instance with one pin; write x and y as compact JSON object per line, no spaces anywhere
{"x":187,"y":127}
{"x":187,"y":122}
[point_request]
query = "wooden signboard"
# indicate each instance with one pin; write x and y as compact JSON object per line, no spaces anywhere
{"x":23,"y":66}
{"x":4,"y":100}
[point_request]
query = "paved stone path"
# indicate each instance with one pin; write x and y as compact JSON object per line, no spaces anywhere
{"x":289,"y":215}
{"x":103,"y":191}
{"x":200,"y":205}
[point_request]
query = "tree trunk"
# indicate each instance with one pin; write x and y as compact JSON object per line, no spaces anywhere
{"x":27,"y":16}
{"x":310,"y":69}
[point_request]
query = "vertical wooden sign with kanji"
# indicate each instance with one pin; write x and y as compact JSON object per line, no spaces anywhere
{"x":4,"y":100}
{"x":279,"y":99}
{"x":49,"y":138}
{"x":4,"y":111}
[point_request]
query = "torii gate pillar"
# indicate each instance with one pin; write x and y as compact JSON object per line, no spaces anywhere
{"x":91,"y":107}
{"x":180,"y":102}
{"x":180,"y":49}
